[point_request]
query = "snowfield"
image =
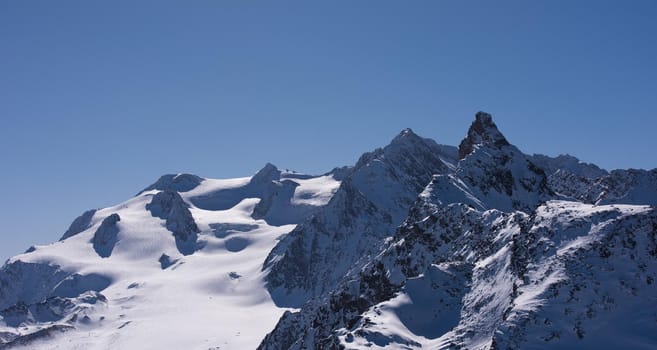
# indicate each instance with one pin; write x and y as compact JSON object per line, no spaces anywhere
{"x":214,"y":298}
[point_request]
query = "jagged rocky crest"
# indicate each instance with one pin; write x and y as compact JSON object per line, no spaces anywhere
{"x":492,"y":173}
{"x":489,"y":258}
{"x":372,"y":200}
{"x":507,"y":278}
{"x":482,"y":132}
{"x":418,"y":245}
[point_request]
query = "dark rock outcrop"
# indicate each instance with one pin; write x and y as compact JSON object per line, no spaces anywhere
{"x":105,"y":237}
{"x":175,"y":182}
{"x":483,"y":131}
{"x":80,"y":224}
{"x":169,"y":206}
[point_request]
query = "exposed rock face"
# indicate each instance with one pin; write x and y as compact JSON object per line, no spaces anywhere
{"x":80,"y":224}
{"x":106,"y":236}
{"x":169,"y":206}
{"x":275,"y":202}
{"x":371,"y":201}
{"x":630,"y":186}
{"x":568,"y":163}
{"x":28,"y":283}
{"x":492,"y":174}
{"x":483,"y":131}
{"x":312,"y":257}
{"x":340,"y":173}
{"x":573,"y":179}
{"x":267,"y":174}
{"x":518,"y":274}
{"x":492,"y":257}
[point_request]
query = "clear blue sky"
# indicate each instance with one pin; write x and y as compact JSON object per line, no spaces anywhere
{"x":98,"y":99}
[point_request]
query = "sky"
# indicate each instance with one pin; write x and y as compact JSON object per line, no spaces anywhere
{"x":98,"y":99}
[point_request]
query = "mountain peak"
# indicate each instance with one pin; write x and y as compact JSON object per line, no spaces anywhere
{"x":405,"y":136}
{"x":268,"y":173}
{"x":269,"y":167}
{"x":483,"y":131}
{"x":484,"y":118}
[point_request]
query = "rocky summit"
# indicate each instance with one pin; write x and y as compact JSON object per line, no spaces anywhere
{"x":416,"y":246}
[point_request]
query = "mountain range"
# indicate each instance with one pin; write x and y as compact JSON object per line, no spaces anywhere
{"x":417,"y":245}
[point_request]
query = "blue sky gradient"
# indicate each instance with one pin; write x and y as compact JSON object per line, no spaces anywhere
{"x":98,"y":99}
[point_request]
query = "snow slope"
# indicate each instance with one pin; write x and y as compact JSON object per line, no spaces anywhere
{"x":135,"y":287}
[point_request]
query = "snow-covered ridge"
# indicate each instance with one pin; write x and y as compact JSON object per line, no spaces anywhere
{"x":569,"y":276}
{"x":490,"y":257}
{"x":418,"y":245}
{"x":372,"y":200}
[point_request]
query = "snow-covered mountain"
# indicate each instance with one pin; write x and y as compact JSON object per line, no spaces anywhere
{"x":418,"y":245}
{"x":176,"y":267}
{"x":372,"y":200}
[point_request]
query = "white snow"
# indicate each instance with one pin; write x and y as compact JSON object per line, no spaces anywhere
{"x":315,"y":191}
{"x":212,"y":299}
